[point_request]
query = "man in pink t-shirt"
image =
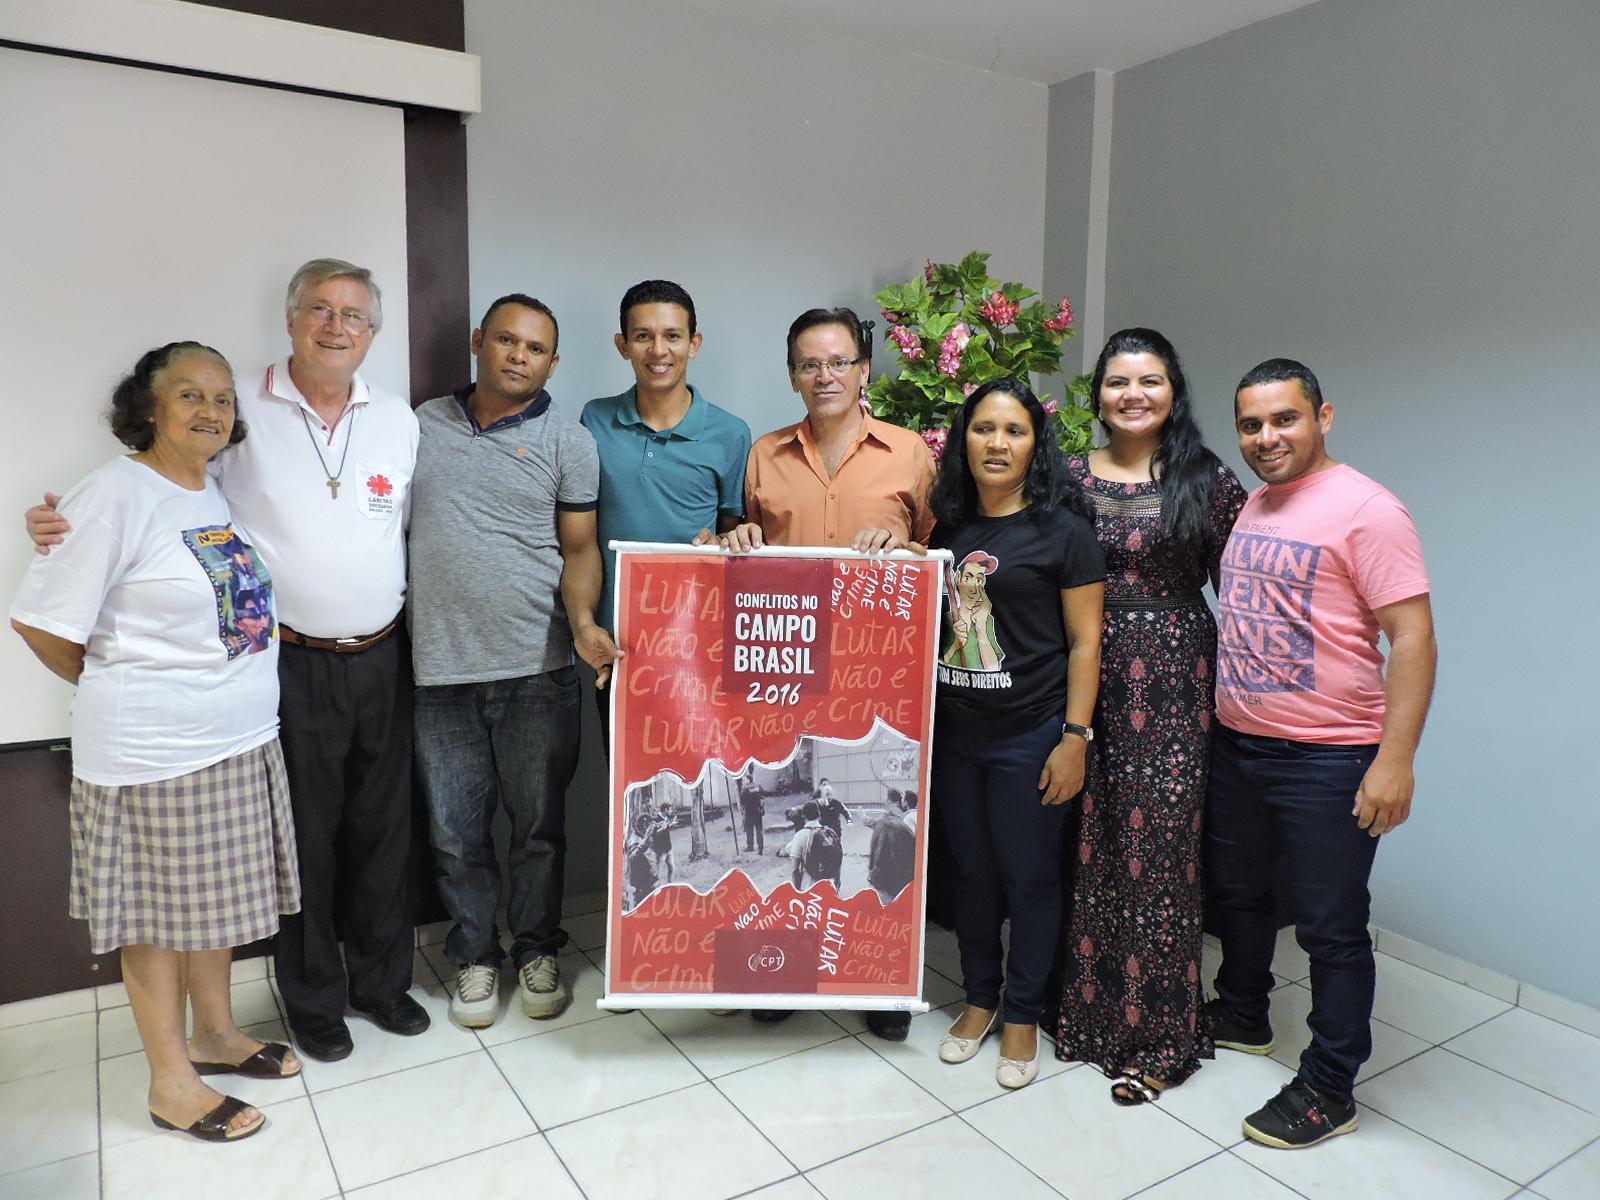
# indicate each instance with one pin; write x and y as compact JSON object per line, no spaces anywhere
{"x":1313,"y":748}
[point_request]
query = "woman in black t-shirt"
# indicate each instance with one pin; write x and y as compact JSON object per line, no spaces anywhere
{"x":1019,"y":666}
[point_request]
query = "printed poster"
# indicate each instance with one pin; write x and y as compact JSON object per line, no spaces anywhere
{"x":769,"y":771}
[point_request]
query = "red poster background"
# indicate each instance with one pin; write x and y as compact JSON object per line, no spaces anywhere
{"x":733,"y":660}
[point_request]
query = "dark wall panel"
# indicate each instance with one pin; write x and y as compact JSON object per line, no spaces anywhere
{"x":441,"y":23}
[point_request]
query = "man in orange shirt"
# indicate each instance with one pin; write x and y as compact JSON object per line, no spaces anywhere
{"x":839,"y":478}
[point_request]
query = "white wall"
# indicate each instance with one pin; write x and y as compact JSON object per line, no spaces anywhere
{"x":1401,"y":193}
{"x":118,"y":239}
{"x":767,"y":174}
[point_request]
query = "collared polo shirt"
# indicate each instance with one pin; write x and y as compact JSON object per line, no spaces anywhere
{"x":663,"y":485}
{"x":882,"y":483}
{"x":485,"y":544}
{"x":338,"y":563}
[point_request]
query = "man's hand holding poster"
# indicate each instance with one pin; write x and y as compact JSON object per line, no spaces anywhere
{"x":770,"y":722}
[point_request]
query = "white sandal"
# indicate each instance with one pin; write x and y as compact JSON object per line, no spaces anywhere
{"x":955,"y":1049}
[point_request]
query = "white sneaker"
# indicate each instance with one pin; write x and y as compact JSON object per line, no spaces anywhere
{"x":543,"y":993}
{"x":476,"y":1003}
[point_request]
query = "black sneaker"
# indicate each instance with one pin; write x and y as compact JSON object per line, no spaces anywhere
{"x":1300,"y":1116}
{"x":1230,"y":1035}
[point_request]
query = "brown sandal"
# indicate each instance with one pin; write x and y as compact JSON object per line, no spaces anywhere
{"x":213,"y":1127}
{"x":265,"y":1063}
{"x":1135,"y":1088}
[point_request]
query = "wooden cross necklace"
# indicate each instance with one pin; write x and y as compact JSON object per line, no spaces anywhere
{"x":333,"y":478}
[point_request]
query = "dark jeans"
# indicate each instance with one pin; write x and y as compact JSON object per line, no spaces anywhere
{"x":1270,"y":797}
{"x":1007,"y":851}
{"x":512,"y":742}
{"x":346,"y":734}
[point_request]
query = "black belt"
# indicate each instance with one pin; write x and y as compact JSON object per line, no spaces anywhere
{"x":1162,"y":603}
{"x":347,"y":645}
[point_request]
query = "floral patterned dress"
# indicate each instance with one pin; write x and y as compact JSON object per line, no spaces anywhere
{"x":1130,"y":958}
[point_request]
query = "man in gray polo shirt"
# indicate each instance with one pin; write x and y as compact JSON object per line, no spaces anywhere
{"x":505,"y":575}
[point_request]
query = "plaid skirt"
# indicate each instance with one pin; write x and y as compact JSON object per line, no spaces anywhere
{"x":199,"y":862}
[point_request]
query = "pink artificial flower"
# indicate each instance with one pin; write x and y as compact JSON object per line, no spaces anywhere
{"x":998,"y":309}
{"x":1063,"y":316}
{"x":961,"y":334}
{"x":1050,"y":407}
{"x":936,"y":439}
{"x":968,"y":388}
{"x":892,"y":318}
{"x":927,"y":271}
{"x":910,"y":344}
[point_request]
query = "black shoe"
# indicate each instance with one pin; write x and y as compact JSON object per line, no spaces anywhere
{"x":1300,"y":1116}
{"x":402,"y":1015}
{"x":327,"y":1044}
{"x":1230,"y":1035}
{"x":890,"y":1026}
{"x":771,"y":1016}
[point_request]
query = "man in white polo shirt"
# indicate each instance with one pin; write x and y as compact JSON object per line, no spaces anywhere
{"x":322,"y":484}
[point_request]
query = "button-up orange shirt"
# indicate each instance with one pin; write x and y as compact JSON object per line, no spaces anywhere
{"x":882,"y":483}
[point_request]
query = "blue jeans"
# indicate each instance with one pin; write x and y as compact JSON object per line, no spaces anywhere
{"x":1007,"y":851}
{"x":515,"y":742}
{"x":1269,"y":797}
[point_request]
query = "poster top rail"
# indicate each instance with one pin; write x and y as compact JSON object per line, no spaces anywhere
{"x":779,"y":551}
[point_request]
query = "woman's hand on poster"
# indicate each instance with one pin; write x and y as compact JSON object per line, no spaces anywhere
{"x":1062,"y":777}
{"x":595,"y":647}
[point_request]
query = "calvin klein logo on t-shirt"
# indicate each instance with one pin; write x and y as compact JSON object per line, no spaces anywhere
{"x":1264,"y":639}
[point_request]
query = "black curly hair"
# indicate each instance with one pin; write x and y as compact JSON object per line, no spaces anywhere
{"x":133,"y":403}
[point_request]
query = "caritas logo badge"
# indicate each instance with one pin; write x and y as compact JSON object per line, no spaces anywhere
{"x":377,"y":495}
{"x":766,"y":960}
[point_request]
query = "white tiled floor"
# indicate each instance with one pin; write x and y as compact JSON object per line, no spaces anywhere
{"x":1465,"y":1097}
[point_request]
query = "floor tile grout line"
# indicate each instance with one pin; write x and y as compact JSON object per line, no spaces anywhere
{"x":1533,"y":1086}
{"x":1200,"y":1163}
{"x":921,"y":1125}
{"x":1593,"y":1142}
{"x":1429,"y":1137}
{"x":99,"y":1110}
{"x":728,"y":1100}
{"x":882,"y":1057}
{"x":960,"y":1117}
{"x":539,"y":1130}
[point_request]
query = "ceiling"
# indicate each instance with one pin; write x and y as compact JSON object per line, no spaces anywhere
{"x":1042,"y":40}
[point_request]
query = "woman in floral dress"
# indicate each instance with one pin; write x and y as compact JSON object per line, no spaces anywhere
{"x":1164,"y":503}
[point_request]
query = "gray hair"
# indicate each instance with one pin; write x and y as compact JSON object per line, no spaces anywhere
{"x":319,"y":270}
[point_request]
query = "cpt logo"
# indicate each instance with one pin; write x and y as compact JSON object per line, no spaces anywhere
{"x":768,"y":960}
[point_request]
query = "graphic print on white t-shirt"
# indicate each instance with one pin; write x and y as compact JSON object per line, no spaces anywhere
{"x":241,"y":585}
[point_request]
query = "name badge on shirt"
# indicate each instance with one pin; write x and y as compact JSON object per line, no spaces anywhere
{"x":379,"y":493}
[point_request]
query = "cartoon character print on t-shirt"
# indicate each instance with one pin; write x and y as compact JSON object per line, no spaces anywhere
{"x":242,"y":587}
{"x":972,"y":642}
{"x":1264,"y":638}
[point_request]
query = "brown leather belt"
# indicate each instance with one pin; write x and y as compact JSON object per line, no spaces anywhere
{"x":349,"y":645}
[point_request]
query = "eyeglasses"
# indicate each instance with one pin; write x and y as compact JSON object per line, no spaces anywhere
{"x":808,"y":367}
{"x":354,"y":319}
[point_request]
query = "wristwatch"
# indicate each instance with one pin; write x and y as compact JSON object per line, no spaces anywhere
{"x":1086,"y":732}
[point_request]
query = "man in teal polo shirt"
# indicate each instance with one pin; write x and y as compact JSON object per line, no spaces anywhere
{"x":671,"y":462}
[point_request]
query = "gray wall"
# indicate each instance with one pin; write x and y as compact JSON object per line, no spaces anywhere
{"x":1068,"y":155}
{"x":766,"y":174}
{"x":1402,"y":194}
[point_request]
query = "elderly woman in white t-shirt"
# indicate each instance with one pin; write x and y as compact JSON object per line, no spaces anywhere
{"x":161,"y":612}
